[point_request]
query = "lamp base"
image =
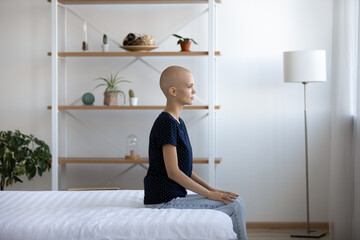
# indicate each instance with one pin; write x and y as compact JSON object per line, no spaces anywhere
{"x":311,"y":234}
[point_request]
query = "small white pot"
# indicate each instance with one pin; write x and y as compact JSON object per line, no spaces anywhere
{"x":105,"y":47}
{"x":134,"y":101}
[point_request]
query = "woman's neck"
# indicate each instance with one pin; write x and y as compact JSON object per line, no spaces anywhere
{"x":174,"y":110}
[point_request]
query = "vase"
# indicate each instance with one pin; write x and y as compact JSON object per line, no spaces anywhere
{"x":111,"y":98}
{"x":133,"y":101}
{"x":105,"y":47}
{"x":185,"y":47}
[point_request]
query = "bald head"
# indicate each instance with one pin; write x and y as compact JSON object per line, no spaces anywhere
{"x":172,"y":77}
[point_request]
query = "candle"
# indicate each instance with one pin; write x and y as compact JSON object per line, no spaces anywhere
{"x":85,"y":31}
{"x":84,"y":43}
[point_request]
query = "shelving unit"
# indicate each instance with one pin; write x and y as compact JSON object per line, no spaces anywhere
{"x":131,"y":1}
{"x":131,"y":54}
{"x":92,"y":107}
{"x":122,"y":161}
{"x":55,"y":107}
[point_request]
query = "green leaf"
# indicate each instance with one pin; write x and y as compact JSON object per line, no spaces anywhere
{"x":32,"y":172}
{"x":186,"y":40}
{"x":193,"y":41}
{"x":17,"y":179}
{"x":178,"y":36}
{"x":111,"y":82}
{"x":40,"y":171}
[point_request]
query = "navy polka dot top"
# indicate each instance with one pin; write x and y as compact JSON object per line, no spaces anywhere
{"x":158,"y":187}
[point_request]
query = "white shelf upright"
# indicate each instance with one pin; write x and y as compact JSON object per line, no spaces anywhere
{"x":211,"y":89}
{"x":54,"y":99}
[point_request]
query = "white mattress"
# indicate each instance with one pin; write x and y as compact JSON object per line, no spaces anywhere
{"x":90,"y":215}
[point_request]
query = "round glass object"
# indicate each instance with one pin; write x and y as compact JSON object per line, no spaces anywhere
{"x":132,"y":147}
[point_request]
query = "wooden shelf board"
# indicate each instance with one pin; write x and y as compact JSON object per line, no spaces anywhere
{"x":132,"y":54}
{"x":92,"y":107}
{"x":122,"y":161}
{"x":92,"y":188}
{"x":130,"y":1}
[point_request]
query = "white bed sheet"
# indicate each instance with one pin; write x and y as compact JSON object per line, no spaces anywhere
{"x":90,"y":215}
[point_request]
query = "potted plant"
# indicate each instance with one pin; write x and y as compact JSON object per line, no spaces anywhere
{"x":105,"y":46}
{"x":112,"y":90}
{"x":133,"y":99}
{"x":21,"y":154}
{"x":184,"y":43}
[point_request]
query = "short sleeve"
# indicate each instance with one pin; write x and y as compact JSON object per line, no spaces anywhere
{"x":167,"y":133}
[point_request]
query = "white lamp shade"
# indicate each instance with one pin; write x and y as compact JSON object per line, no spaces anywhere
{"x":305,"y":66}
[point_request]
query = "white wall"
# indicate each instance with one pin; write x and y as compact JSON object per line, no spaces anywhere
{"x":260,"y":125}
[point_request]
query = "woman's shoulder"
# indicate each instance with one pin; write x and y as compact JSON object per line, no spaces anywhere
{"x":165,"y":120}
{"x":166,"y":117}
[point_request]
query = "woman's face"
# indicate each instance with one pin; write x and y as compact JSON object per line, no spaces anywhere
{"x":185,"y":89}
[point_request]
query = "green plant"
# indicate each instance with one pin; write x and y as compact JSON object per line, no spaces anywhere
{"x":21,"y":154}
{"x":131,"y":93}
{"x":111,"y":83}
{"x":105,"y":39}
{"x":186,"y":40}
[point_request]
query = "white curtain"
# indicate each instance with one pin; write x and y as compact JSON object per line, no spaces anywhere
{"x":344,"y":212}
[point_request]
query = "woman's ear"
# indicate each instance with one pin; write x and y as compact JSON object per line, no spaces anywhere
{"x":172,"y":91}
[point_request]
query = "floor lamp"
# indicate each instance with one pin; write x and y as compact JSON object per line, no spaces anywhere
{"x":304,"y":67}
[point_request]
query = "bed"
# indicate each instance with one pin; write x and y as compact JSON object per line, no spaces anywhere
{"x":103,"y":215}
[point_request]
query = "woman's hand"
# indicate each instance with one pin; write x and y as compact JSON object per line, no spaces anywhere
{"x":218,"y":190}
{"x":222,"y":196}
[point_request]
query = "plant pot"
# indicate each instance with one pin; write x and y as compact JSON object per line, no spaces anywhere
{"x":111,"y":98}
{"x":133,"y":101}
{"x":185,"y":47}
{"x":105,"y":47}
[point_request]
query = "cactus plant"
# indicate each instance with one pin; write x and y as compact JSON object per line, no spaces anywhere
{"x":105,"y":39}
{"x":131,"y":93}
{"x":88,"y":98}
{"x":133,"y":99}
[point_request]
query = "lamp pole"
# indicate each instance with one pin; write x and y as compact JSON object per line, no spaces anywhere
{"x":308,"y":233}
{"x":306,"y":164}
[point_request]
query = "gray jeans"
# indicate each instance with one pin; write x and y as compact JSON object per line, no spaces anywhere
{"x":235,"y":210}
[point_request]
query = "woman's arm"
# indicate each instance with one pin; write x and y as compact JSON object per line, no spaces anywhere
{"x":175,"y":174}
{"x":197,"y":179}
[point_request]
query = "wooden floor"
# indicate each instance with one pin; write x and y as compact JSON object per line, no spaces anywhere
{"x":276,"y":234}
